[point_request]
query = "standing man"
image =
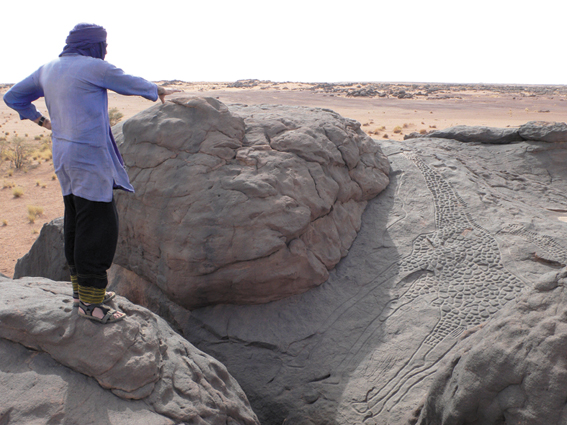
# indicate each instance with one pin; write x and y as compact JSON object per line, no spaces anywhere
{"x":85,"y":156}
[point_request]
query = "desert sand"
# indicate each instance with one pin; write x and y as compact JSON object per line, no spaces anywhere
{"x":386,"y":111}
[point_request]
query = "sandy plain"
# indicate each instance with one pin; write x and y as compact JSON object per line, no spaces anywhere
{"x":385,"y":110}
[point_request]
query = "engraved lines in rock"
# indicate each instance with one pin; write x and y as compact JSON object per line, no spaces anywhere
{"x":460,"y":266}
{"x":550,"y":250}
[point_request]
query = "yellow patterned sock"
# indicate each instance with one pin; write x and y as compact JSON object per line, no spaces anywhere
{"x":75,"y":283}
{"x":91,"y":295}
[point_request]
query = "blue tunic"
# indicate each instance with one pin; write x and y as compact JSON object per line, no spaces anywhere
{"x":86,"y":159}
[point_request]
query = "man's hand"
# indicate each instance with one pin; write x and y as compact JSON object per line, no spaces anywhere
{"x":46,"y":122}
{"x":162,"y":92}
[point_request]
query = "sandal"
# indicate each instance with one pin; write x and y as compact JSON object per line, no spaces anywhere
{"x":107,"y":297}
{"x":87,"y":310}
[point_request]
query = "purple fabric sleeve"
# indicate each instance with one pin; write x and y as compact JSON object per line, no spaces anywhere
{"x":21,"y":96}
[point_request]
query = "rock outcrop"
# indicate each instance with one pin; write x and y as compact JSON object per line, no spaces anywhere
{"x":539,"y":131}
{"x":461,"y":231}
{"x":242,"y":204}
{"x":139,"y":358}
{"x":46,"y":258}
{"x":477,"y":134}
{"x":512,"y":371}
{"x":544,"y":131}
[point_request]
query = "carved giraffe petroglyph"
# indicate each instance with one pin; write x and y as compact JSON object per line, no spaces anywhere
{"x":459,"y":265}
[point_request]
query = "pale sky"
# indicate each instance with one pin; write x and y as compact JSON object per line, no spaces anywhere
{"x":485,"y":41}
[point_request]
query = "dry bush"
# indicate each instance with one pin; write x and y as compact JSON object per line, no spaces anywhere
{"x":18,"y":192}
{"x":4,"y":223}
{"x":114,"y":115}
{"x":34,"y":212}
{"x":397,"y":129}
{"x":18,"y":152}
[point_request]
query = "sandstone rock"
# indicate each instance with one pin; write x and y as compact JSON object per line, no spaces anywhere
{"x":478,"y":134}
{"x":46,"y":257}
{"x":544,"y":131}
{"x":139,"y":358}
{"x":510,"y":371}
{"x":242,"y":204}
{"x":461,"y":230}
{"x":37,"y":389}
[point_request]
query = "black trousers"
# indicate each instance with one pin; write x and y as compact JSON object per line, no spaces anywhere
{"x":91,"y":235}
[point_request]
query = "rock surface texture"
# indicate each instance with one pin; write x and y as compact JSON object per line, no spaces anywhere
{"x":552,"y":132}
{"x":148,"y":373}
{"x":512,"y":371}
{"x":461,"y":231}
{"x":46,"y":257}
{"x":454,"y":282}
{"x":539,"y":131}
{"x":242,"y":204}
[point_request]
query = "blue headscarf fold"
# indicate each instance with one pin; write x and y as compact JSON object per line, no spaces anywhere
{"x":86,"y":40}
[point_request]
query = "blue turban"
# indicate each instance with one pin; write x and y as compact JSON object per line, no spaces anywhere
{"x":86,"y":40}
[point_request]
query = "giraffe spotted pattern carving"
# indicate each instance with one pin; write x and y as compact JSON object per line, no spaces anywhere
{"x":549,"y":250}
{"x":459,"y":267}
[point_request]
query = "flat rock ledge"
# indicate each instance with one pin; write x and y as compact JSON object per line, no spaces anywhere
{"x":540,"y":131}
{"x":513,"y":369}
{"x":242,"y":204}
{"x":148,"y":373}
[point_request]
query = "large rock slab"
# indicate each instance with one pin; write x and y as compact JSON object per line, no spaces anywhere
{"x":139,"y":358}
{"x":477,"y":134}
{"x":242,"y":204}
{"x":46,"y":258}
{"x":462,"y":230}
{"x":37,"y":390}
{"x":512,"y":370}
{"x":544,"y":131}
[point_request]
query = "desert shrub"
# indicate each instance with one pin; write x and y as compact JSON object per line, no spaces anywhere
{"x":3,"y":148}
{"x":34,"y":212}
{"x":114,"y":116}
{"x":54,"y":177}
{"x":18,"y":191}
{"x":397,"y":129}
{"x":4,"y":222}
{"x":18,"y":152}
{"x":423,"y":131}
{"x":44,"y":151}
{"x":8,"y":184}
